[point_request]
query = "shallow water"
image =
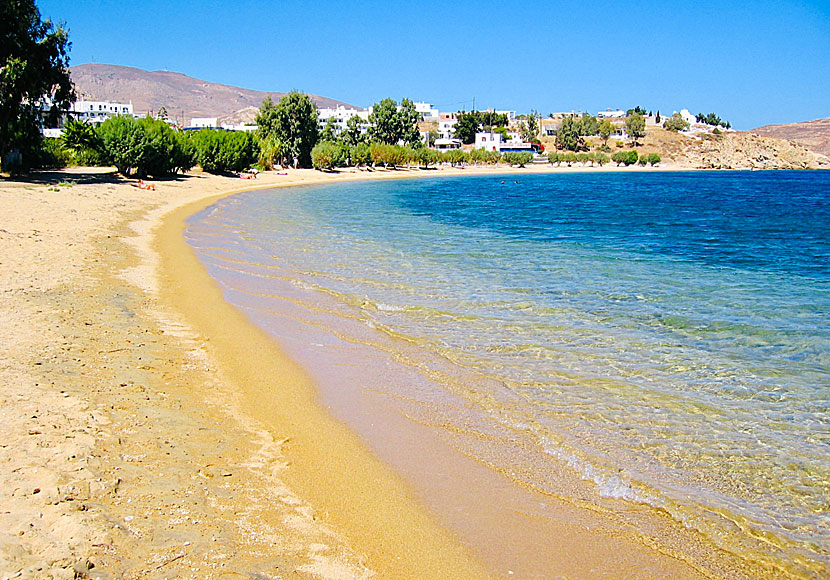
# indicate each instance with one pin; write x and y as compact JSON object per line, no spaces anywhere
{"x":663,"y":338}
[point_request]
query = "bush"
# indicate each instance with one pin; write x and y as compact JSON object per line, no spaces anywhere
{"x":676,"y":123}
{"x":653,"y":159}
{"x":146,"y":146}
{"x":555,"y":157}
{"x":520,"y":158}
{"x":218,"y":151}
{"x":620,"y":144}
{"x":427,"y":157}
{"x":601,"y":159}
{"x":326,"y":155}
{"x":53,"y":155}
{"x":454,"y":157}
{"x":643,"y":160}
{"x":625,"y":158}
{"x":271,"y":152}
{"x":361,"y":154}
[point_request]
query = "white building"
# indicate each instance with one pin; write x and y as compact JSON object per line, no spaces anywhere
{"x":446,"y":125}
{"x":488,"y":141}
{"x":96,"y":112}
{"x":611,"y":114}
{"x":446,"y":144}
{"x":428,"y":112}
{"x":687,"y":116}
{"x":204,"y":123}
{"x":340,"y":117}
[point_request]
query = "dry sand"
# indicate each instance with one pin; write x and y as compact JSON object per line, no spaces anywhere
{"x":127,"y":449}
{"x":122,"y":444}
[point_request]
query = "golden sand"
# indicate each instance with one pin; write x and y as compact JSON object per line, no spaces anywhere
{"x":149,"y":430}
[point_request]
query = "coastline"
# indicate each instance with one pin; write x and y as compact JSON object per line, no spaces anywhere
{"x":137,"y":403}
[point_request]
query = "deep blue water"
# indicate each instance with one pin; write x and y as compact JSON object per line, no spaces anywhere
{"x":665,"y":336}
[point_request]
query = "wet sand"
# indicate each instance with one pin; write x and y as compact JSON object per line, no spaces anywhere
{"x":150,"y":430}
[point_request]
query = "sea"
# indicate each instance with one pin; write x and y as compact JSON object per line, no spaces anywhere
{"x":660,"y":339}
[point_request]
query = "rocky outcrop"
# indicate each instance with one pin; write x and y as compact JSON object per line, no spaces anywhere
{"x":739,"y":150}
{"x":815,"y":135}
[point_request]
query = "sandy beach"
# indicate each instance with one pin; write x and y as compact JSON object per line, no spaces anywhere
{"x":150,"y":431}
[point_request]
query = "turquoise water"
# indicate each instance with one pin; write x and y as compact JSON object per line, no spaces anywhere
{"x":664,"y":337}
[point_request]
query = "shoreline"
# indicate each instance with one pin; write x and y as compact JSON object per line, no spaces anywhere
{"x":161,"y":401}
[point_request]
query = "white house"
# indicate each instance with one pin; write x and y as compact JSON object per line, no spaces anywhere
{"x":611,"y":114}
{"x":428,"y":112}
{"x":340,"y":117}
{"x":445,"y":144}
{"x":687,"y":116}
{"x":204,"y":122}
{"x":446,"y":125}
{"x":488,"y":141}
{"x":96,"y":112}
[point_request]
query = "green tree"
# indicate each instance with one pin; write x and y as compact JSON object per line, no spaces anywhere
{"x":361,"y":154}
{"x":676,"y":123}
{"x":329,"y":132}
{"x":33,"y":64}
{"x":326,"y":155}
{"x":635,"y":124}
{"x":625,"y":158}
{"x":354,"y":133}
{"x":605,"y":129}
{"x":384,"y":122}
{"x":408,"y":119}
{"x":653,"y":159}
{"x":218,"y":151}
{"x":271,"y":152}
{"x":601,"y":159}
{"x":568,"y":137}
{"x":145,"y":146}
{"x":466,"y":127}
{"x":293,"y":121}
{"x":530,"y":129}
{"x":588,"y":125}
{"x":657,"y":118}
{"x":78,"y":136}
{"x":520,"y":158}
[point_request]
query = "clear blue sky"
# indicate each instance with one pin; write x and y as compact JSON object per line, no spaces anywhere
{"x":754,"y":63}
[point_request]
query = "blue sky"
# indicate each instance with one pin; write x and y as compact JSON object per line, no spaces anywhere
{"x":754,"y":63}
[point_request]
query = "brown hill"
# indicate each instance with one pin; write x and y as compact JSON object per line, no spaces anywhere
{"x":184,"y":97}
{"x":815,"y":135}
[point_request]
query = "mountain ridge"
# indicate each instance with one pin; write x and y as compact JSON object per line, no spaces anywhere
{"x":183,"y":96}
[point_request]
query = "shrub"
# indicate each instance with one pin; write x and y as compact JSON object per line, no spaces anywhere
{"x":601,"y":159}
{"x":147,"y":146}
{"x":361,"y":154}
{"x":620,"y":144}
{"x":218,"y":151}
{"x":326,"y":155}
{"x":53,"y":155}
{"x":520,"y":158}
{"x":676,"y":123}
{"x":625,"y":158}
{"x":653,"y":159}
{"x":493,"y":157}
{"x":643,"y":160}
{"x":271,"y":152}
{"x":555,"y":157}
{"x":427,"y":157}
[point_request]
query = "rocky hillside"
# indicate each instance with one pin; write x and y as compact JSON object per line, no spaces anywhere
{"x":815,"y":135}
{"x":184,"y":97}
{"x":741,"y":150}
{"x":730,"y":150}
